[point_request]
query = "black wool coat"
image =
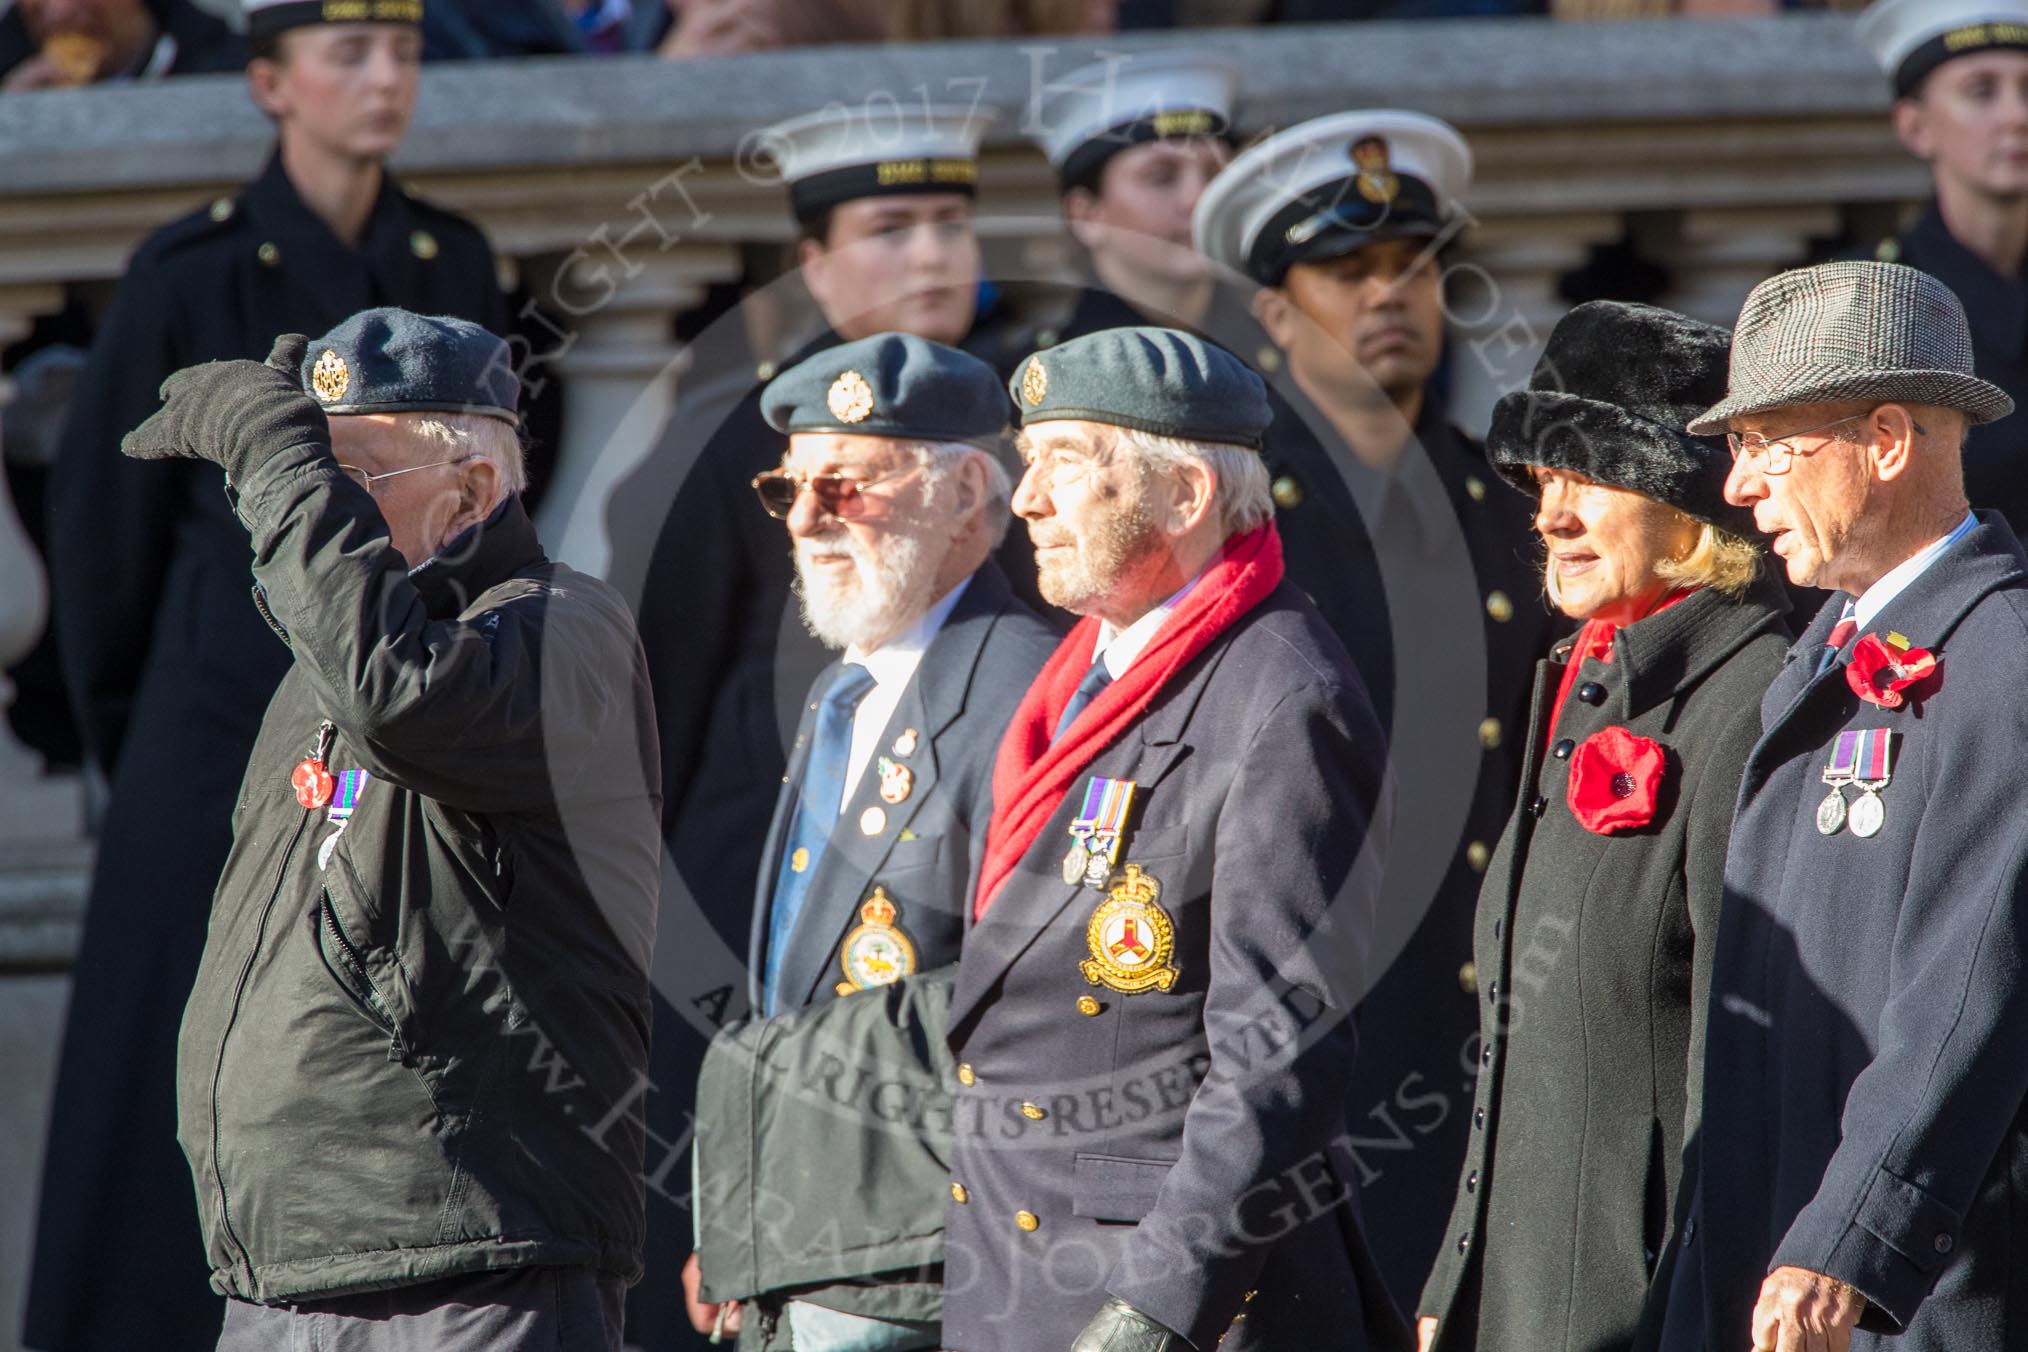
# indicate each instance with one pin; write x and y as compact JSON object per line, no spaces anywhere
{"x":169,"y":666}
{"x":1594,"y":958}
{"x":1867,"y":1060}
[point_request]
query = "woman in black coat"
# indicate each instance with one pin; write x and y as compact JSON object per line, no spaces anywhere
{"x":1596,"y":919}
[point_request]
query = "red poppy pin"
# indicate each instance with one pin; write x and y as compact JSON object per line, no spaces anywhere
{"x":1880,"y":670}
{"x":1615,"y":778}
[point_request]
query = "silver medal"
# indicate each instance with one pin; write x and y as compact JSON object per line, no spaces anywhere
{"x":1831,"y":814}
{"x":1073,"y":864}
{"x":1869,"y":814}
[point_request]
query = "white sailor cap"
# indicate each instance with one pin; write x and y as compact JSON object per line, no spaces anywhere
{"x":1331,"y":185}
{"x":839,"y":154}
{"x":1911,"y":38}
{"x":1099,"y":110}
{"x":265,"y":18}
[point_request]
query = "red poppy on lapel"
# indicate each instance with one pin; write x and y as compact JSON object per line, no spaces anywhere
{"x":1615,"y":778}
{"x":1881,"y":669}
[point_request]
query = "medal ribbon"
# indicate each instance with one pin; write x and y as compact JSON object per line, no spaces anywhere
{"x":1844,"y":766}
{"x":350,"y":784}
{"x":1873,"y":755}
{"x":1109,"y":817}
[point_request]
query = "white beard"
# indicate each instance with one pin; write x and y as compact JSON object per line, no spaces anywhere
{"x":876,"y":600}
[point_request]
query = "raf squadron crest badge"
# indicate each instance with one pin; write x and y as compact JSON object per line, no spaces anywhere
{"x":878,"y":952}
{"x":1131,"y":938}
{"x":1034,"y":383}
{"x":851,"y":398}
{"x":330,"y":377}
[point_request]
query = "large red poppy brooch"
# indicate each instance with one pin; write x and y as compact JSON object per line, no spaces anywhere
{"x":1615,"y":778}
{"x":1887,"y":671}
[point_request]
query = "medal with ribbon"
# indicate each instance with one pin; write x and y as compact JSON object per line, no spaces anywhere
{"x":1840,"y":772}
{"x":1096,"y":830}
{"x":346,"y":796}
{"x":1875,"y":757}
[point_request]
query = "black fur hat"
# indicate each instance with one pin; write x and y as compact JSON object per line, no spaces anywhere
{"x":1615,"y":388}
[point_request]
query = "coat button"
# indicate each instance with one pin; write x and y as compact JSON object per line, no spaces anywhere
{"x":1944,"y":1244}
{"x":1689,"y":1231}
{"x":1468,"y":978}
{"x":270,"y":256}
{"x":1493,"y":991}
{"x":1486,"y":1055}
{"x":221,"y":209}
{"x":1027,"y":1220}
{"x":1499,"y":607}
{"x":1268,"y":359}
{"x":1465,"y":1242}
{"x":423,"y":245}
{"x":1087,"y":1006}
{"x":1539,"y":806}
{"x":1475,"y":488}
{"x":1032,"y":1112}
{"x":1479,"y":1118}
{"x":1287,"y":491}
{"x":1591,"y":692}
{"x":1477,"y":856}
{"x":959,"y":1195}
{"x":1471,"y":1181}
{"x":1489,"y":734}
{"x":1563,"y":749}
{"x":965,"y":1075}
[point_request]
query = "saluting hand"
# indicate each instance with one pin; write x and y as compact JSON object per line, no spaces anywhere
{"x":1803,"y":1311}
{"x":235,"y":414}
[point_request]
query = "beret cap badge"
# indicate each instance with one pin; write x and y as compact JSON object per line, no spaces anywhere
{"x":851,"y":398}
{"x":330,"y":377}
{"x":1034,"y":383}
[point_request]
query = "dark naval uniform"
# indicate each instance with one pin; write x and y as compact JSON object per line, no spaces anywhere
{"x":1228,"y":322}
{"x":170,"y":666}
{"x":1996,"y":453}
{"x":1431,"y":578}
{"x":1867,"y":1059}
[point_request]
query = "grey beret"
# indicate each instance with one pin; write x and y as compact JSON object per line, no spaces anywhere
{"x":890,"y":385}
{"x":1152,"y":380}
{"x":392,"y":361}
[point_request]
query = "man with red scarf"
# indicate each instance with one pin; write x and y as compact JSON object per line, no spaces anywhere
{"x":1151,"y":1013}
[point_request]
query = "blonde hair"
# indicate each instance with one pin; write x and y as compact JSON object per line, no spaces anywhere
{"x":1719,"y":560}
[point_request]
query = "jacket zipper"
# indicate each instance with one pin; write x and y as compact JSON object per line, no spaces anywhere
{"x":322,"y":747}
{"x":375,"y":1005}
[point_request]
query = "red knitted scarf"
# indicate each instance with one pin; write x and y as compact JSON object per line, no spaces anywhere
{"x":1031,"y":776}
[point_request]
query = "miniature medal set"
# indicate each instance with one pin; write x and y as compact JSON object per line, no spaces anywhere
{"x":878,"y":952}
{"x":1130,"y":936}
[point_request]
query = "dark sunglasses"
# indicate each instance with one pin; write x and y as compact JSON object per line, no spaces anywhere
{"x":838,"y":495}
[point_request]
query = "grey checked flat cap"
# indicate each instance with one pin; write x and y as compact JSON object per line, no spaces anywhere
{"x":1871,"y":331}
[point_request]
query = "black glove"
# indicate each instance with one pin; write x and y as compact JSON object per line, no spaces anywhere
{"x":235,"y":414}
{"x":1119,"y":1327}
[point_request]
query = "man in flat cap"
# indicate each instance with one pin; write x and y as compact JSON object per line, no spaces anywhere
{"x":1135,"y":140}
{"x":167,"y":666}
{"x":894,"y":502}
{"x":1420,"y":556}
{"x":886,"y":244}
{"x":1960,"y":75}
{"x":1867,"y":1057}
{"x":423,"y":1003}
{"x":1152,"y":1011}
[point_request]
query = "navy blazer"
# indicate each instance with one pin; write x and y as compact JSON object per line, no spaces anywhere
{"x":1183,"y":1149}
{"x":926,"y":855}
{"x":1868,"y":1038}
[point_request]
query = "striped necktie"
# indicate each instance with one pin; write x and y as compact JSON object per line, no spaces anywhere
{"x":1840,"y":635}
{"x":1095,"y":680}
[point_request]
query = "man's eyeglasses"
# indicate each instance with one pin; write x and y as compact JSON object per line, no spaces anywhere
{"x":1775,"y":453}
{"x":367,"y":481}
{"x":837,"y":494}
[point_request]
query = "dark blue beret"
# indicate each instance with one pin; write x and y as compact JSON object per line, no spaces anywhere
{"x":890,"y":385}
{"x":1153,"y":380}
{"x":391,"y":361}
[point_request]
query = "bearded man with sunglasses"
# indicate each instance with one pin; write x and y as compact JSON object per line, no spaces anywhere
{"x":894,"y":504}
{"x":1866,"y":1055}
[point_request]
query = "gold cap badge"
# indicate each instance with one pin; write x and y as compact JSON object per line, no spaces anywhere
{"x":330,"y":377}
{"x":1377,"y":182}
{"x":1034,"y":383}
{"x":851,"y":398}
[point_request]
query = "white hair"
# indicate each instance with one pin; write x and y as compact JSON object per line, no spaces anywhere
{"x":479,"y":434}
{"x":940,"y":461}
{"x":1241,"y":499}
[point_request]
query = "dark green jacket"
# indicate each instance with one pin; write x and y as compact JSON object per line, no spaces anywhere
{"x":417,"y":1045}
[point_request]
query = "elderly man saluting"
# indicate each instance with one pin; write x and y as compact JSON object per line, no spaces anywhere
{"x":1865,"y":1178}
{"x":406,"y":1071}
{"x":1151,"y":1009}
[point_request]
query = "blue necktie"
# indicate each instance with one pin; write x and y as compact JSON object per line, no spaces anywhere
{"x":1841,"y":634}
{"x":818,"y":793}
{"x":1095,"y":680}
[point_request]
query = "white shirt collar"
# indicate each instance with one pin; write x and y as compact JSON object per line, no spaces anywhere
{"x":1896,"y":580}
{"x":895,"y":661}
{"x":1119,"y":647}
